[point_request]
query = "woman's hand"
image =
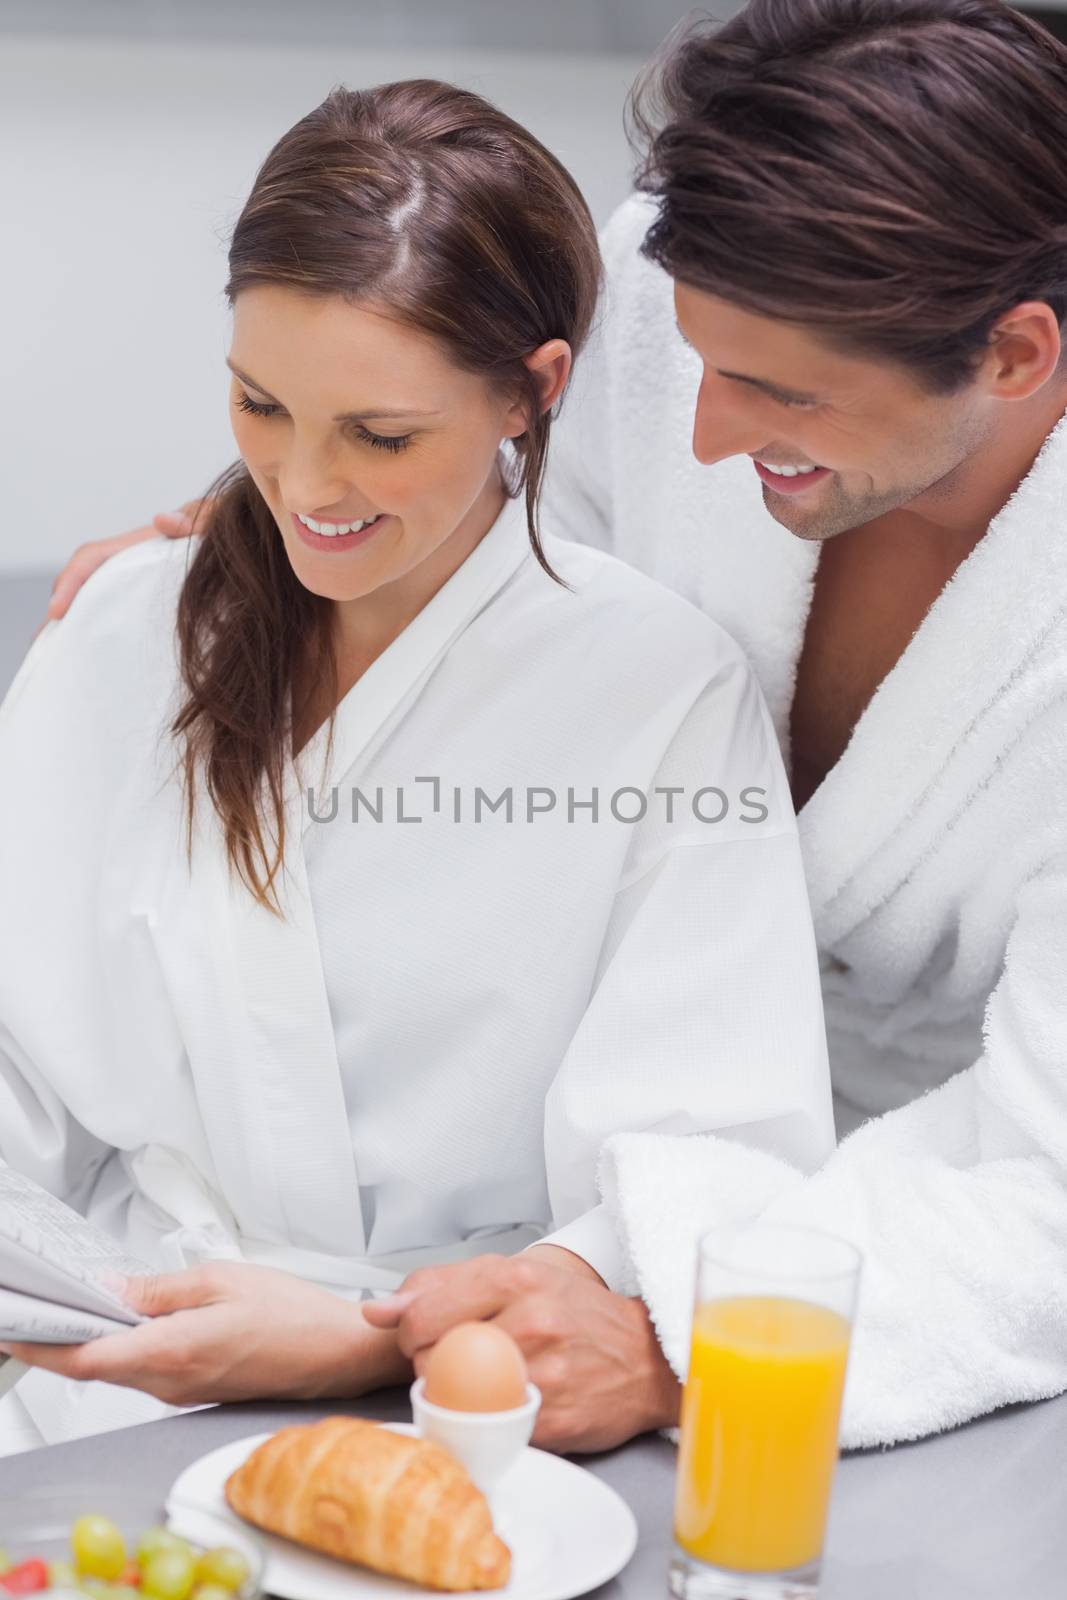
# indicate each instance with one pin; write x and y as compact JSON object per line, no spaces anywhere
{"x":85,"y":560}
{"x":593,"y":1354}
{"x":226,"y":1331}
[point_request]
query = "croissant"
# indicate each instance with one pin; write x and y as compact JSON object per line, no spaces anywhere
{"x":398,"y":1504}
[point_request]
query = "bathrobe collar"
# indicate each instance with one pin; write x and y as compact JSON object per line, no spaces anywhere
{"x":857,"y":829}
{"x":371,"y":706}
{"x":262,"y":1052}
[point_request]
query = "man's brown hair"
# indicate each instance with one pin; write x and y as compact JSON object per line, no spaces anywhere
{"x":891,"y":174}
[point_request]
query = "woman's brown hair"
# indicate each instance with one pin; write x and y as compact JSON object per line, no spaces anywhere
{"x":890,"y":174}
{"x":430,"y":201}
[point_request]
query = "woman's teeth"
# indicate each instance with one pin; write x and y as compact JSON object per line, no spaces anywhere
{"x":331,"y":530}
{"x":787,"y":472}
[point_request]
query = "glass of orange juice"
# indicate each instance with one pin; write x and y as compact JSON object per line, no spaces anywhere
{"x":760,"y":1412}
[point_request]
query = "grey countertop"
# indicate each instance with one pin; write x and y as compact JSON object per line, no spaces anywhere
{"x":970,"y":1515}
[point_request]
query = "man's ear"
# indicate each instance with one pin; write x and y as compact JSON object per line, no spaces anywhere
{"x":550,"y":365}
{"x":1024,"y":351}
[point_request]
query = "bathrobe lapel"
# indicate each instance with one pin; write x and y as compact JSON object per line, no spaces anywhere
{"x":262,"y":1051}
{"x":923,"y":742}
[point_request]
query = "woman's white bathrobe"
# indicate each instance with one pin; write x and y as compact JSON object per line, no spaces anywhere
{"x":936,"y":859}
{"x":497,"y":995}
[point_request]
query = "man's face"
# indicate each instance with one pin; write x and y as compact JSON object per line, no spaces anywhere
{"x":774,"y":392}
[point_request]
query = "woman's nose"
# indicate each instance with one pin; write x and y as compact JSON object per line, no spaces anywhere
{"x":306,"y":487}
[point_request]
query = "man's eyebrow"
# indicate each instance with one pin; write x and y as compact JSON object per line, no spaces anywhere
{"x":798,"y":396}
{"x":346,"y":416}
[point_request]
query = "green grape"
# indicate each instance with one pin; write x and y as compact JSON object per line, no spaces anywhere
{"x":99,"y":1548}
{"x":169,"y":1575}
{"x":5,"y":1561}
{"x":222,"y":1568}
{"x":61,"y":1575}
{"x":211,"y":1591}
{"x":157,"y":1539}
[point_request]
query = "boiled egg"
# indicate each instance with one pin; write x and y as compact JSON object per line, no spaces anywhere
{"x":475,"y":1366}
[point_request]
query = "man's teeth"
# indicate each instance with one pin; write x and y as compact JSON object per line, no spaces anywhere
{"x":787,"y":472}
{"x":332,"y":530}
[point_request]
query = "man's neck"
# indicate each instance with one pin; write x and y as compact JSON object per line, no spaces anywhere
{"x":875,"y":584}
{"x":959,"y":509}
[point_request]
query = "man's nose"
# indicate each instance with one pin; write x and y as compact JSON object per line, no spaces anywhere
{"x":721,"y":427}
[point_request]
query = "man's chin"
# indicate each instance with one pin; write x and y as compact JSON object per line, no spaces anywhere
{"x":810,"y":525}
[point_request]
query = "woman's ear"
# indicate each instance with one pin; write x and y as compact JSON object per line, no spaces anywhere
{"x":550,"y":365}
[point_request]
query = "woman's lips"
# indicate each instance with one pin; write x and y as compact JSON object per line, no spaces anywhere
{"x":797,"y":485}
{"x":339,"y":542}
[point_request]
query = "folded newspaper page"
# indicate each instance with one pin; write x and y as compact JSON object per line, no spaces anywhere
{"x":54,"y":1267}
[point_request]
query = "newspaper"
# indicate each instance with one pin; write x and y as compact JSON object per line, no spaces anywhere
{"x":54,"y":1269}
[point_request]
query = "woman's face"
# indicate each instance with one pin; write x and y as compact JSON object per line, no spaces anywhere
{"x":342,"y":416}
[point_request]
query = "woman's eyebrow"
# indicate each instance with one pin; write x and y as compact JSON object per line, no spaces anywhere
{"x":376,"y":413}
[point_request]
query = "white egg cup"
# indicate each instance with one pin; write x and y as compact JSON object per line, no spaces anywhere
{"x":487,"y":1443}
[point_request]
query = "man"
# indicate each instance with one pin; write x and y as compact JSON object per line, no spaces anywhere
{"x":856,"y":214}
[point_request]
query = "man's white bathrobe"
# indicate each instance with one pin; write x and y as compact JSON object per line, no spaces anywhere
{"x":936,"y":858}
{"x":432,"y":1047}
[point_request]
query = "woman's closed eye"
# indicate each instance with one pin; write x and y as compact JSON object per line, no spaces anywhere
{"x":380,"y":441}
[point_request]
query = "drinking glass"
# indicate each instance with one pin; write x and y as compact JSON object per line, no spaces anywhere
{"x":760,"y":1413}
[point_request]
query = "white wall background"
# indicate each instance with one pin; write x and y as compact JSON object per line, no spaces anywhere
{"x":123,"y":163}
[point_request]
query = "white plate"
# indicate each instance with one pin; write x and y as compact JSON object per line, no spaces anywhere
{"x":568,"y":1532}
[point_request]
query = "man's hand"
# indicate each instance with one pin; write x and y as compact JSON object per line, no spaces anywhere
{"x":593,"y":1354}
{"x":227,"y":1331}
{"x":85,"y":560}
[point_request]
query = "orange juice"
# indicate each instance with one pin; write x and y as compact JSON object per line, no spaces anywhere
{"x":759,"y":1432}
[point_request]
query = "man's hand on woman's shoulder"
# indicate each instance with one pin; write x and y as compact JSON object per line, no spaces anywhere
{"x":85,"y":560}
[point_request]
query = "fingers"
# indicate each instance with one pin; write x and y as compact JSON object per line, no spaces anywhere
{"x":145,"y":1358}
{"x":88,"y":557}
{"x":437,"y":1298}
{"x":175,"y":524}
{"x":164,"y":1293}
{"x":181,"y":524}
{"x":68,"y":1360}
{"x":160,"y":1357}
{"x":537,"y":1323}
{"x":82,"y":564}
{"x":387,"y":1312}
{"x":151,"y":1357}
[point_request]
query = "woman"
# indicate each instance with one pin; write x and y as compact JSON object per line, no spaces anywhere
{"x":393,"y":853}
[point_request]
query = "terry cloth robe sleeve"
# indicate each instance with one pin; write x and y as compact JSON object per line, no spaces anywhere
{"x":958,"y":1201}
{"x":706,"y":1012}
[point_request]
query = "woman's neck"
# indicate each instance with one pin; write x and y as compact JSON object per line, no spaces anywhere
{"x":366,"y":627}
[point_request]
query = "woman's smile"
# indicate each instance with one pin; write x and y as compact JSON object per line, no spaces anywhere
{"x":338,"y":543}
